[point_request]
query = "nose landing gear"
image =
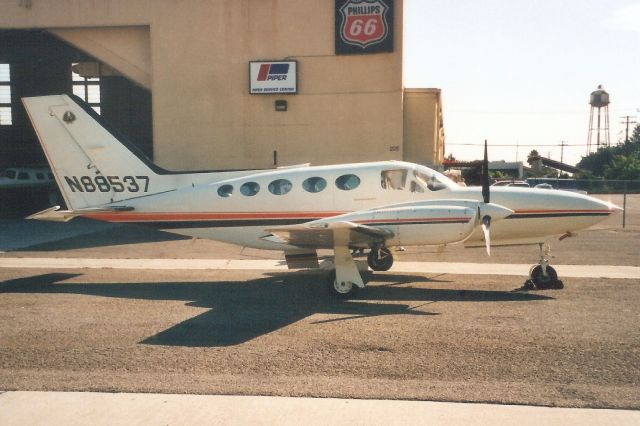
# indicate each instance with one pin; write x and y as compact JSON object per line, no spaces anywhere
{"x":542,"y":276}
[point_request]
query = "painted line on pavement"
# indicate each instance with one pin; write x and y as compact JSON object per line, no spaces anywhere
{"x":569,"y":271}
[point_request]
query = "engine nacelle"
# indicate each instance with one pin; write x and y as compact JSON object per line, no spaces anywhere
{"x":418,"y":225}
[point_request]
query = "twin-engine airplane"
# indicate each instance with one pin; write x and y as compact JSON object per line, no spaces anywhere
{"x":371,"y":206}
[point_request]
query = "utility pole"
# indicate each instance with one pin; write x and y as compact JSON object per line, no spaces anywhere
{"x":627,"y":120}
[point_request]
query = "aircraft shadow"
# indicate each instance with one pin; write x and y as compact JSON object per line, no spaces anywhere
{"x":241,"y":311}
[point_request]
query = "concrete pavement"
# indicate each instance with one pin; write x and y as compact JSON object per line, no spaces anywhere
{"x":568,"y":271}
{"x":80,"y":408}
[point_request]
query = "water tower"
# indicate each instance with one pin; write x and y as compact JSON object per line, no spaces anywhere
{"x":599,"y":100}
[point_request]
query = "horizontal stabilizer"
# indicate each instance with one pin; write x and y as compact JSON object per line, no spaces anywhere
{"x":54,"y":214}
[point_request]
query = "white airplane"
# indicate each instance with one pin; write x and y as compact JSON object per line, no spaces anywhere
{"x":374,"y":206}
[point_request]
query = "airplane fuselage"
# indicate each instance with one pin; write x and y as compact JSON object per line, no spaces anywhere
{"x":239,"y":209}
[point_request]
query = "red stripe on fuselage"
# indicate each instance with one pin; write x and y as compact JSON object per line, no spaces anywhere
{"x":560,"y":211}
{"x":170,"y":217}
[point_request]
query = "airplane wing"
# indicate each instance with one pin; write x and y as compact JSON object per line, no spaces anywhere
{"x":427,"y":221}
{"x":321,"y":234}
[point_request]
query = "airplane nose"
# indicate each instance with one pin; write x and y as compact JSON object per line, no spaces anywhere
{"x":604,"y":205}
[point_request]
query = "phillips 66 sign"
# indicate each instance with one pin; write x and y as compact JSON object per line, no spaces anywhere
{"x":364,"y":26}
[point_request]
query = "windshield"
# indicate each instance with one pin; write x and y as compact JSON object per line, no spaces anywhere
{"x":431,"y":179}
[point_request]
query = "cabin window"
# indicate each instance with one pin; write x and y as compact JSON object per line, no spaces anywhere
{"x":348,"y":182}
{"x":432,"y":182}
{"x":39,"y":176}
{"x":225,"y":191}
{"x":280,"y":186}
{"x":5,"y":96}
{"x":314,"y":184}
{"x":23,"y":176}
{"x":393,"y":179}
{"x":250,"y":189}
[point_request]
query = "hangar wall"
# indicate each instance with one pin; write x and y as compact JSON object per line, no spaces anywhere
{"x":348,"y":107}
{"x":423,"y":136}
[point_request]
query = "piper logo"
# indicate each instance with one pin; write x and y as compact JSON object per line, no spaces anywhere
{"x":273,"y":72}
{"x":273,"y":77}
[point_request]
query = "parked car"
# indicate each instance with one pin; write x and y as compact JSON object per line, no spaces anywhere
{"x":15,"y":177}
{"x":519,"y":183}
{"x":544,"y":186}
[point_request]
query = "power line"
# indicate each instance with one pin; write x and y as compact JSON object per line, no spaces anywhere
{"x":518,"y":144}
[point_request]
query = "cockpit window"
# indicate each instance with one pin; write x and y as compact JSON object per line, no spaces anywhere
{"x":435,"y":182}
{"x":416,"y":187}
{"x":348,"y":182}
{"x":393,"y":179}
{"x":280,"y":186}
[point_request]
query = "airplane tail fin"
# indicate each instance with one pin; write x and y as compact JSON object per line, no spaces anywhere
{"x":91,"y":165}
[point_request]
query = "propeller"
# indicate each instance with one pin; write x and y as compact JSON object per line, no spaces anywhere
{"x":486,"y":219}
{"x":485,"y":175}
{"x":486,"y":225}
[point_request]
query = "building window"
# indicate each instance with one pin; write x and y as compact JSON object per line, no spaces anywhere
{"x":5,"y":96}
{"x":87,"y":88}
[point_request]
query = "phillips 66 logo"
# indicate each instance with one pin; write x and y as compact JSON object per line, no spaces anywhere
{"x":364,"y":26}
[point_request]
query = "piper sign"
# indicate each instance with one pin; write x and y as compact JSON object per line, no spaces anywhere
{"x":273,"y":77}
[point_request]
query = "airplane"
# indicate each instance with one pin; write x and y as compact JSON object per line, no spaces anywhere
{"x":372,"y":206}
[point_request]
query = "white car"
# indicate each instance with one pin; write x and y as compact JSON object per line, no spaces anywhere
{"x":544,"y":186}
{"x":518,"y":183}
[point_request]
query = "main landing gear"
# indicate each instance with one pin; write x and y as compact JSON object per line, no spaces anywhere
{"x":542,"y":276}
{"x":380,"y":258}
{"x":347,"y":276}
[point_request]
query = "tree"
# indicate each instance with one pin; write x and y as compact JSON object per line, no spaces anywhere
{"x":625,"y":167}
{"x":614,"y":162}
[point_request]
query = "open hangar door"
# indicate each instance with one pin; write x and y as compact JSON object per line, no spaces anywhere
{"x":36,"y":63}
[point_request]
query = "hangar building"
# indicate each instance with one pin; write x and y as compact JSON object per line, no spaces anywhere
{"x":222,"y":84}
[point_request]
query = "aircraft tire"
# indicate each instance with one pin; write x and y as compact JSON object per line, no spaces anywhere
{"x":342,"y":290}
{"x":544,"y":283}
{"x":382,"y":262}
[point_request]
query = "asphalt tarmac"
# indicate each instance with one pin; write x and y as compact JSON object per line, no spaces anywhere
{"x":413,"y":336}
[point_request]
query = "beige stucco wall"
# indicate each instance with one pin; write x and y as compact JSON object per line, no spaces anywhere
{"x":423,"y":137}
{"x":349,"y":108}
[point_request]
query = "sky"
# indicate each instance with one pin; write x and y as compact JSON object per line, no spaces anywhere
{"x":520,"y":73}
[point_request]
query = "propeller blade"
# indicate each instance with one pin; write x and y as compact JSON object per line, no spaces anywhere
{"x":485,"y":175}
{"x":486,"y":227}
